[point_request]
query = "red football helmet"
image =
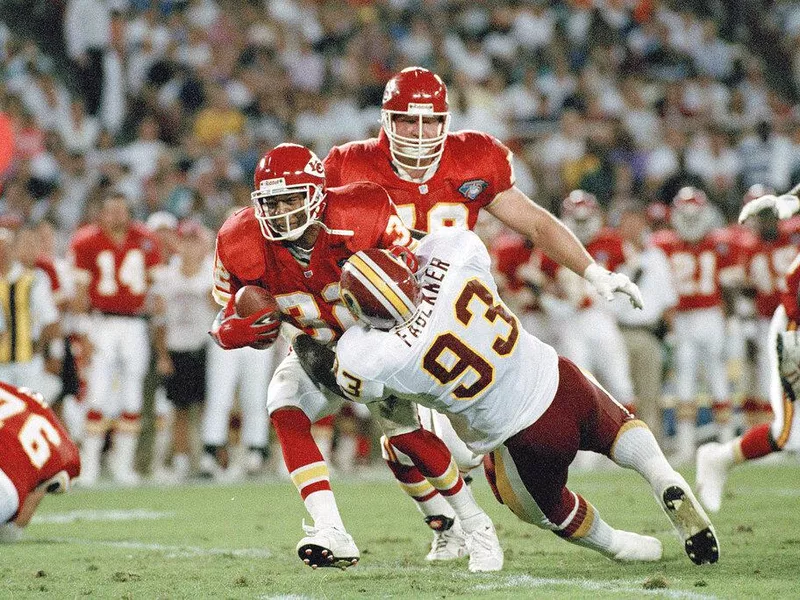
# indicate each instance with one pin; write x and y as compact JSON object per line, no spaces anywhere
{"x":691,"y":214}
{"x":379,"y":288}
{"x":582,"y":215}
{"x":418,"y":93}
{"x":285,"y":170}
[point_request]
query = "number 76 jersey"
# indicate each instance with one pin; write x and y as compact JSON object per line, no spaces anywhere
{"x":463,"y":353}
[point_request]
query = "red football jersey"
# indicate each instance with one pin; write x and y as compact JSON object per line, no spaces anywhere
{"x":474,"y":168}
{"x":35,"y":445}
{"x":767,"y":264}
{"x":359,"y":216}
{"x":790,"y":297}
{"x":510,"y":251}
{"x":118,"y":275}
{"x":696,"y":267}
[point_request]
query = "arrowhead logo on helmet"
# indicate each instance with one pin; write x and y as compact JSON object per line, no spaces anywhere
{"x":422,"y":95}
{"x":288,"y":174}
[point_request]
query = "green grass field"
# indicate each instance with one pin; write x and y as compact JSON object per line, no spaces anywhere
{"x":238,"y":541}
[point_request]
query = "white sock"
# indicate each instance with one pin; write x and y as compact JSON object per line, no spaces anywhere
{"x":321,"y":505}
{"x":181,"y":464}
{"x":435,"y":506}
{"x":636,"y":448}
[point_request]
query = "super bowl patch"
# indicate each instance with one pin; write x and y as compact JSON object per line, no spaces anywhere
{"x":472,"y":189}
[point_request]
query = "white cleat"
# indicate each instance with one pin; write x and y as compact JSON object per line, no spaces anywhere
{"x":713,"y":464}
{"x":629,"y":547}
{"x":327,"y":547}
{"x":485,"y":553}
{"x":450,"y":544}
{"x":690,"y":521}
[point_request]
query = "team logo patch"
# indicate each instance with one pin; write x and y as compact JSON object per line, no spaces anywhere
{"x":472,"y":189}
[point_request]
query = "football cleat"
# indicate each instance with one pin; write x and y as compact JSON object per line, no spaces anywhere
{"x":713,"y":464}
{"x":327,"y":547}
{"x":448,"y":542}
{"x":627,"y":547}
{"x":690,"y":522}
{"x":485,"y":553}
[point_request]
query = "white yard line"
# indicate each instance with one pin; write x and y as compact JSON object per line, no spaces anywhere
{"x":627,"y":586}
{"x":168,"y":551}
{"x":136,"y":514}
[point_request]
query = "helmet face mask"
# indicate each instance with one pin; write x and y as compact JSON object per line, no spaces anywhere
{"x":290,"y":177}
{"x":379,"y":289}
{"x":415,"y":116}
{"x":582,"y":215}
{"x":691,"y":216}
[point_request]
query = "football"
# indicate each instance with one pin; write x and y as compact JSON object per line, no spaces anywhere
{"x":252,"y":299}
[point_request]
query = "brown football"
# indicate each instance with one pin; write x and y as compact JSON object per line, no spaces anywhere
{"x":252,"y":299}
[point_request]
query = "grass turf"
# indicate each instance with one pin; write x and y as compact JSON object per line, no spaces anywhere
{"x":238,"y":541}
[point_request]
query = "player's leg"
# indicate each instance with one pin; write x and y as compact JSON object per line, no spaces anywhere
{"x":258,"y":368}
{"x":529,"y":475}
{"x":715,"y":460}
{"x":686,"y":366}
{"x":716,"y":370}
{"x":99,"y":395}
{"x":222,"y":372}
{"x":134,"y":347}
{"x":608,"y":428}
{"x":430,"y":455}
{"x":294,"y":402}
{"x":9,"y":499}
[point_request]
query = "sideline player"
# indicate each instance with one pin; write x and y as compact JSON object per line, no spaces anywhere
{"x":113,"y":262}
{"x":714,"y":460}
{"x":441,"y":179}
{"x":37,"y":458}
{"x":293,"y":243}
{"x":446,"y":340}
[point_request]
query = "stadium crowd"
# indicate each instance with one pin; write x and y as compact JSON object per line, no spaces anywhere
{"x":648,"y":106}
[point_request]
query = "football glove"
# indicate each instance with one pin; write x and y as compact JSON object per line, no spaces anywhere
{"x":784,"y":206}
{"x":788,"y":345}
{"x":259,"y":330}
{"x":606,"y":283}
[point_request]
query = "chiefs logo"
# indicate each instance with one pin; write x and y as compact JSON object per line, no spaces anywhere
{"x":390,"y":91}
{"x":314,"y":167}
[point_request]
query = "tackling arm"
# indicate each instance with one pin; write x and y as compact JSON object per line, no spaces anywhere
{"x":521,"y":214}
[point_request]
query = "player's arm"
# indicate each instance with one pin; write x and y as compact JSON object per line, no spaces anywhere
{"x":51,"y":340}
{"x":524,"y":216}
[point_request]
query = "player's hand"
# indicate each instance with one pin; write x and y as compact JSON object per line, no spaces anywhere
{"x":784,"y":206}
{"x":259,"y":330}
{"x":407,"y":256}
{"x":788,"y":346}
{"x":607,"y":283}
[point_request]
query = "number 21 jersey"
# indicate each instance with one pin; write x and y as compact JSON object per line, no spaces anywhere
{"x":463,"y":354}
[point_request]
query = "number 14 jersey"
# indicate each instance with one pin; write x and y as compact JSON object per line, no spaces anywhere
{"x":463,"y":354}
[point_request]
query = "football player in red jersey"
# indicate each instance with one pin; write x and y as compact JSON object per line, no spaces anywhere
{"x":714,"y":460}
{"x":768,"y":255}
{"x":588,"y":324}
{"x":293,"y":243}
{"x":38,"y":457}
{"x":113,"y":262}
{"x":440,"y":178}
{"x":703,"y":259}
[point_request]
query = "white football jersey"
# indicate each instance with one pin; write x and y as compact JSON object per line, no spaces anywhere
{"x":463,"y":353}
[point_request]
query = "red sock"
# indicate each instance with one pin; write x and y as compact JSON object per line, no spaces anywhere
{"x":412,"y":481}
{"x":756,"y":442}
{"x":303,"y":459}
{"x":432,"y":458}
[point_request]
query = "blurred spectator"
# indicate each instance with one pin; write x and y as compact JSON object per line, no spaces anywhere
{"x":87,"y":25}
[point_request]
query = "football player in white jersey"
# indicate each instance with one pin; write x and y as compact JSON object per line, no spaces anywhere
{"x":444,"y":339}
